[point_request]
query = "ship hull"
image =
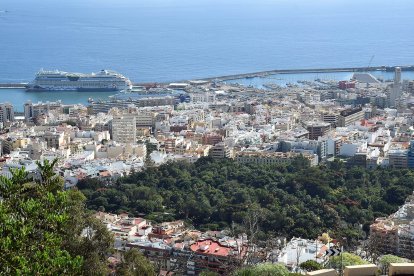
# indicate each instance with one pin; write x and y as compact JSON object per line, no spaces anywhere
{"x":32,"y":89}
{"x":97,"y":90}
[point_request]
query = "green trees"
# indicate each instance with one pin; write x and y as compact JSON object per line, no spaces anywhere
{"x":345,"y":260}
{"x":46,"y":230}
{"x":310,"y":265}
{"x":208,"y":273}
{"x":386,"y":260}
{"x":135,"y":264}
{"x":295,"y":200}
{"x":263,"y":270}
{"x":33,"y":218}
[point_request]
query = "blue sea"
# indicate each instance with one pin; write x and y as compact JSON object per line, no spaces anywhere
{"x":170,"y":40}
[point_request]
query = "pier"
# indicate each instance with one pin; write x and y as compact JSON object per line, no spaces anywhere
{"x":13,"y":85}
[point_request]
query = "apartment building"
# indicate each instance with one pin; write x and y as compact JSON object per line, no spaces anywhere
{"x":317,"y":129}
{"x":264,"y":157}
{"x":331,"y":118}
{"x":211,"y":138}
{"x":349,"y":116}
{"x":54,"y":139}
{"x":395,"y":234}
{"x":398,"y":158}
{"x":6,"y":112}
{"x":124,"y":129}
{"x":220,"y":150}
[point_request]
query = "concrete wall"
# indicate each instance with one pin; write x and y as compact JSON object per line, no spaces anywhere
{"x":401,"y":269}
{"x":368,"y":270}
{"x":361,"y":270}
{"x":323,"y":272}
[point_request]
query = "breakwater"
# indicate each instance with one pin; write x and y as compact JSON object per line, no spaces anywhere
{"x":311,"y":70}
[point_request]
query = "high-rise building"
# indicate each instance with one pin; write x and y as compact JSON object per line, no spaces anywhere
{"x":397,"y":76}
{"x":6,"y":112}
{"x":124,"y":129}
{"x":28,"y":111}
{"x":396,"y":89}
{"x":32,"y":110}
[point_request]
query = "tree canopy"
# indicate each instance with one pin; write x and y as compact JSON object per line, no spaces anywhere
{"x":135,"y":264}
{"x":263,"y":270}
{"x":310,"y":265}
{"x":386,"y":260}
{"x":293,"y":200}
{"x":346,"y":259}
{"x":46,"y":230}
{"x":34,"y":217}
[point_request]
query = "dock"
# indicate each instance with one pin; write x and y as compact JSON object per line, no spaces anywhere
{"x":258,"y":74}
{"x":13,"y":85}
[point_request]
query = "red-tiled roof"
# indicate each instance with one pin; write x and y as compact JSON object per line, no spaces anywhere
{"x":210,"y":247}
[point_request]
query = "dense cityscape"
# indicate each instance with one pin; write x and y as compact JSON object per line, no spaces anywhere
{"x":211,"y":176}
{"x":207,"y":138}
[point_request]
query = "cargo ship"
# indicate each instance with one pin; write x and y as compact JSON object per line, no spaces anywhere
{"x":103,"y":81}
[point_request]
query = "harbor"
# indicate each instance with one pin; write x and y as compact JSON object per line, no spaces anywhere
{"x":262,"y":74}
{"x":258,"y":81}
{"x":311,"y":70}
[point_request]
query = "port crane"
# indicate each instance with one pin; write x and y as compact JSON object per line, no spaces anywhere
{"x":370,"y":61}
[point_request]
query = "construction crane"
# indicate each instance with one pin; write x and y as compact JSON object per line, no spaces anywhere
{"x":370,"y":61}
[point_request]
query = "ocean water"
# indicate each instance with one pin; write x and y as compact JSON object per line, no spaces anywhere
{"x":168,"y":40}
{"x":18,"y":97}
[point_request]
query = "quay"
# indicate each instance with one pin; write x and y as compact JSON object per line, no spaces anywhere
{"x":13,"y":85}
{"x":258,"y":74}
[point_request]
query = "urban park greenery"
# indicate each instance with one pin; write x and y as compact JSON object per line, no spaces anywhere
{"x":291,"y":200}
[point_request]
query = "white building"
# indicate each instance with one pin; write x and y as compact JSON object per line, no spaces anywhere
{"x":124,"y":129}
{"x":300,"y":250}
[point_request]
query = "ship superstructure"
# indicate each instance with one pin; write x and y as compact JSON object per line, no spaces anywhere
{"x":102,"y":81}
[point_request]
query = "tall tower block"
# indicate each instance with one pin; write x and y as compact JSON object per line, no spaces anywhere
{"x":397,"y":76}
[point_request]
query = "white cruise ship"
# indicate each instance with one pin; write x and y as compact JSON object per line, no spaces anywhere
{"x":103,"y":81}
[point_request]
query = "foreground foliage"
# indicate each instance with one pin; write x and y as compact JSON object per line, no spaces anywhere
{"x":263,"y":270}
{"x":346,"y":259}
{"x":310,"y":265}
{"x":135,"y":264}
{"x":34,"y":217}
{"x":294,"y":200}
{"x":386,"y":260}
{"x":42,"y":228}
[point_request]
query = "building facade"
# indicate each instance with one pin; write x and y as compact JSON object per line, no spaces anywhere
{"x":124,"y":129}
{"x":6,"y":113}
{"x":348,"y":117}
{"x":395,"y":234}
